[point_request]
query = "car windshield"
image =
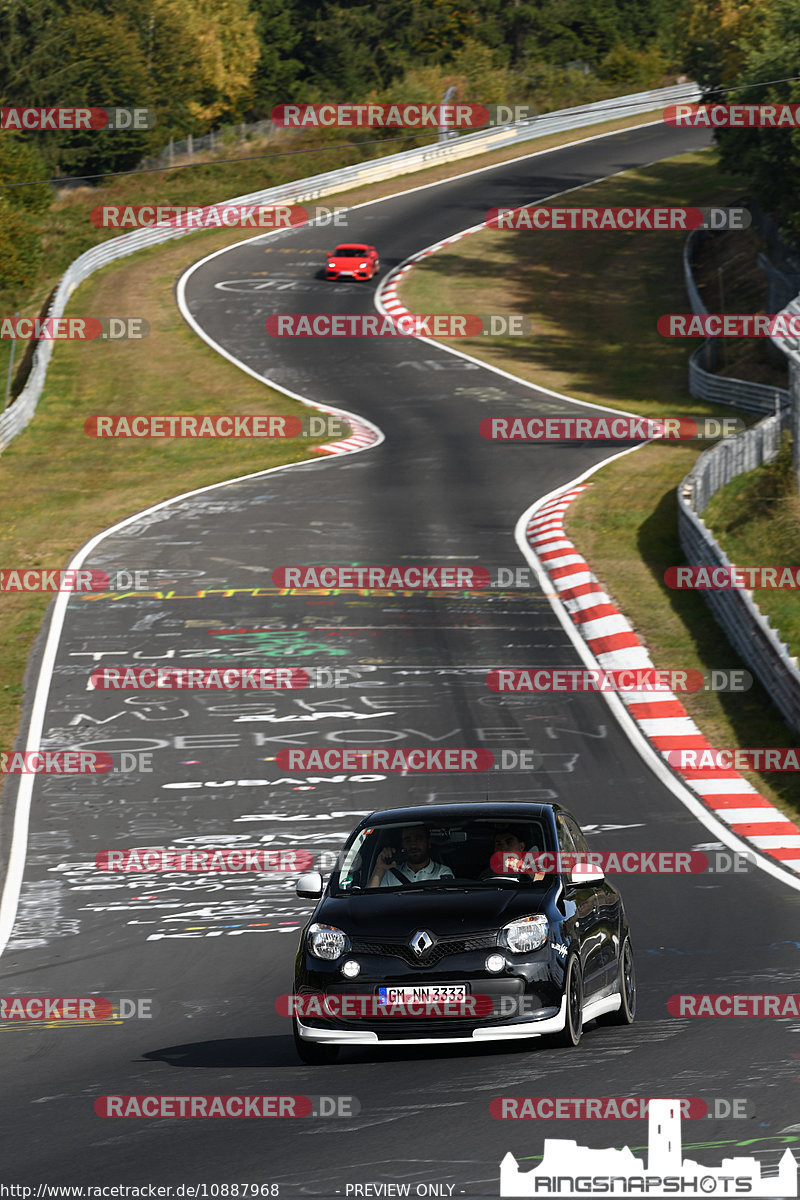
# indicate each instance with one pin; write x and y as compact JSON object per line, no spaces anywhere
{"x":478,"y":853}
{"x":349,"y":252}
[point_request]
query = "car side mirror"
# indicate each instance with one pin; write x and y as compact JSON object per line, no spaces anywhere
{"x":309,"y":885}
{"x":586,"y":873}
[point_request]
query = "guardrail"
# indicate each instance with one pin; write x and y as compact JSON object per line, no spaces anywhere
{"x":747,"y":628}
{"x":315,"y":186}
{"x":704,"y":384}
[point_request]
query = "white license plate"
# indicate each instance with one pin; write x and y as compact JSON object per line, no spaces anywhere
{"x":432,"y":993}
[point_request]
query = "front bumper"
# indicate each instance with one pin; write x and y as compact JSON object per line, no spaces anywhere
{"x":532,"y":1027}
{"x":348,"y":274}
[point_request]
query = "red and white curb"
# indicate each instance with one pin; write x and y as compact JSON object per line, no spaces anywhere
{"x":386,"y":298}
{"x":660,"y":716}
{"x":361,"y":437}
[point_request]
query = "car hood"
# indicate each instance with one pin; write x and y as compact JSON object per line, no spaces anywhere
{"x":446,"y":913}
{"x":349,"y":258}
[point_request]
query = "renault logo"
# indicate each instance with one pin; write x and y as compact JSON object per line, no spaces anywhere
{"x":421,"y":942}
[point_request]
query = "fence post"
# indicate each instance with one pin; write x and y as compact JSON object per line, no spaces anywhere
{"x":794,"y":399}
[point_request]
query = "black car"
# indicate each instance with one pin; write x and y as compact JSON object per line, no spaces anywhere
{"x":438,"y":927}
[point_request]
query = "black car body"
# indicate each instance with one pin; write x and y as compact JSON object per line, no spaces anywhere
{"x":452,"y":934}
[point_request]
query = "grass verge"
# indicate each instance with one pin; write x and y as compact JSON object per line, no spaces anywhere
{"x":594,"y":337}
{"x":756,"y":519}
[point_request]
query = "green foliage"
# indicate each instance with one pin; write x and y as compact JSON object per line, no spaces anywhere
{"x":20,"y":206}
{"x":20,"y":254}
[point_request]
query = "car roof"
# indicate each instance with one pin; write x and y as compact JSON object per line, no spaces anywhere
{"x":354,"y":246}
{"x":509,"y":811}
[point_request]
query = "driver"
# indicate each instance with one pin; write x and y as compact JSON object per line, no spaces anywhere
{"x":507,"y":842}
{"x":417,"y":863}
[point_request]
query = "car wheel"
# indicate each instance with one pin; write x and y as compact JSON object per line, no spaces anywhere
{"x":314,"y":1054}
{"x":573,"y":991}
{"x":626,"y":986}
{"x":377,"y":267}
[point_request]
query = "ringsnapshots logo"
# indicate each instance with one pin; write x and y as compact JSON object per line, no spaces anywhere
{"x":569,"y":1170}
{"x":434,"y":325}
{"x":633,"y":219}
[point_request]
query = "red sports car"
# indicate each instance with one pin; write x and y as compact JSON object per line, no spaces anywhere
{"x":355,"y":260}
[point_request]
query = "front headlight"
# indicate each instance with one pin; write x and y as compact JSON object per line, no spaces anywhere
{"x":524,"y":934}
{"x":331,"y":266}
{"x":362,"y":266}
{"x":326,"y":941}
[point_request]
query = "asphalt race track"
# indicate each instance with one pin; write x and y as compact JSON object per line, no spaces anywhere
{"x":213,"y":953}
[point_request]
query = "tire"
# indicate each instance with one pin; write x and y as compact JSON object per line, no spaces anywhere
{"x":626,"y":986}
{"x":313,"y":1054}
{"x":573,"y":990}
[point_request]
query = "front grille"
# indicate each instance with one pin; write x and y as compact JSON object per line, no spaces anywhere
{"x":438,"y":951}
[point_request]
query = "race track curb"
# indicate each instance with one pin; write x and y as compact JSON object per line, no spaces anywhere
{"x":660,"y":716}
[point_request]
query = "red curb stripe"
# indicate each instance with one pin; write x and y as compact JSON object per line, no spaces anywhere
{"x":581,"y":615}
{"x":614,"y":641}
{"x":649,"y":710}
{"x":725,"y":800}
{"x":769,"y":829}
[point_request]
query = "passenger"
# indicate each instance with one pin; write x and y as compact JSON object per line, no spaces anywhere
{"x":509,"y":842}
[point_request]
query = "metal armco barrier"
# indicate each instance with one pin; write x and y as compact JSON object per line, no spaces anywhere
{"x":316,"y":186}
{"x":704,"y":384}
{"x":745,"y":626}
